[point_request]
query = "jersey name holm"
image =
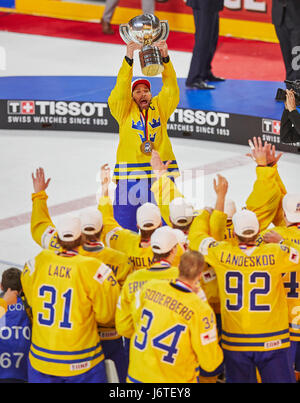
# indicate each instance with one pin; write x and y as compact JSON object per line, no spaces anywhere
{"x":248,"y":261}
{"x":140,"y":261}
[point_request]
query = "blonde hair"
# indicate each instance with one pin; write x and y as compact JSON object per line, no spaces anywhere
{"x":191,"y":264}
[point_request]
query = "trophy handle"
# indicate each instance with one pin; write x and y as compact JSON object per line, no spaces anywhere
{"x":124,"y":33}
{"x":164,"y":32}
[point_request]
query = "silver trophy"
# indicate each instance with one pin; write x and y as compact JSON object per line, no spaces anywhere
{"x":147,"y":29}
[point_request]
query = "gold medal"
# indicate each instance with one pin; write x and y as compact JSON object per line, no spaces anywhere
{"x":147,"y":147}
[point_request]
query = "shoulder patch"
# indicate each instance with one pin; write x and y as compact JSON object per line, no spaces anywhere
{"x":47,"y":236}
{"x":102,"y":273}
{"x":209,"y":337}
{"x":209,"y":275}
{"x":294,"y":256}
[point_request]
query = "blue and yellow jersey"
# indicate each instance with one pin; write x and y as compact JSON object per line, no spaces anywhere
{"x":209,"y":285}
{"x":265,"y":200}
{"x":254,"y":309}
{"x":43,"y":230}
{"x":131,"y":163}
{"x":44,"y":233}
{"x":266,"y":197}
{"x":291,"y":281}
{"x":69,"y":296}
{"x":175,"y":334}
{"x":131,"y":289}
{"x":140,"y":253}
{"x":165,"y":190}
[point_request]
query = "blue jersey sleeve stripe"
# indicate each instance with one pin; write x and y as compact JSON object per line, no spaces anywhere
{"x":139,"y":165}
{"x":74,"y":361}
{"x":54,"y":352}
{"x":254,"y":335}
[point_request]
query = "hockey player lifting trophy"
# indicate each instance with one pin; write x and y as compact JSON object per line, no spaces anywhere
{"x":145,"y":30}
{"x":142,"y":117}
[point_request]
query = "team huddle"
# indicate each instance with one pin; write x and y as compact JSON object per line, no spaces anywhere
{"x":217,"y":294}
{"x":167,"y":292}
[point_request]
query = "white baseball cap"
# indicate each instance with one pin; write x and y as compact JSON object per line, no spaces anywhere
{"x":291,"y":207}
{"x":69,"y":228}
{"x":148,"y":216}
{"x":245,"y":220}
{"x":163,"y":240}
{"x":229,"y":208}
{"x":91,"y":221}
{"x":181,"y":212}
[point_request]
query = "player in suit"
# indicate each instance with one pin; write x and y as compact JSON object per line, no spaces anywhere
{"x":206,"y":17}
{"x":286,"y":19}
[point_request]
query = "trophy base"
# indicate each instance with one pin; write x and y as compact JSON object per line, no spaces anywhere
{"x":151,"y":61}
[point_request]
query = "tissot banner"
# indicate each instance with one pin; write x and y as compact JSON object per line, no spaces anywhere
{"x":95,"y":117}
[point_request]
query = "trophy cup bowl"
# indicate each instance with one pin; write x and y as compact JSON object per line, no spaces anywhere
{"x":146,"y":29}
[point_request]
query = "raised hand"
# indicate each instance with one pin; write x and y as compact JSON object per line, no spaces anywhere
{"x":39,"y":182}
{"x":158,"y":167}
{"x":163,"y":48}
{"x":258,"y":151}
{"x":220,"y":185}
{"x":272,"y":237}
{"x":131,"y":48}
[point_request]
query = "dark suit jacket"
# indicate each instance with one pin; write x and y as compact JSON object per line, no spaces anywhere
{"x":207,"y":5}
{"x":293,"y":8}
{"x":290,"y":127}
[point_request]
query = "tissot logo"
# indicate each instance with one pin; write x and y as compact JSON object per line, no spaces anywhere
{"x":21,"y":107}
{"x":56,"y":108}
{"x":270,"y":126}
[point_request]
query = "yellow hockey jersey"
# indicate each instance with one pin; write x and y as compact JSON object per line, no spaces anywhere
{"x":265,"y":200}
{"x":139,"y":252}
{"x":68,"y":296}
{"x":165,"y":190}
{"x":175,"y":334}
{"x":44,"y":233}
{"x":209,"y":285}
{"x":134,"y":130}
{"x":266,"y":197}
{"x":254,"y":310}
{"x":291,"y":281}
{"x":131,"y":289}
{"x":124,"y":240}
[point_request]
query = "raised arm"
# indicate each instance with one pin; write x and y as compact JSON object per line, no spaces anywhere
{"x":42,"y":228}
{"x":120,"y":98}
{"x":267,"y":192}
{"x":168,"y":98}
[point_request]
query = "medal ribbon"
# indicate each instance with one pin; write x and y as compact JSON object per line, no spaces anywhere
{"x":144,"y":119}
{"x":184,"y":285}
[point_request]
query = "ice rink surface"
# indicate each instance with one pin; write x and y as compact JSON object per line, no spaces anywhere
{"x":72,"y":159}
